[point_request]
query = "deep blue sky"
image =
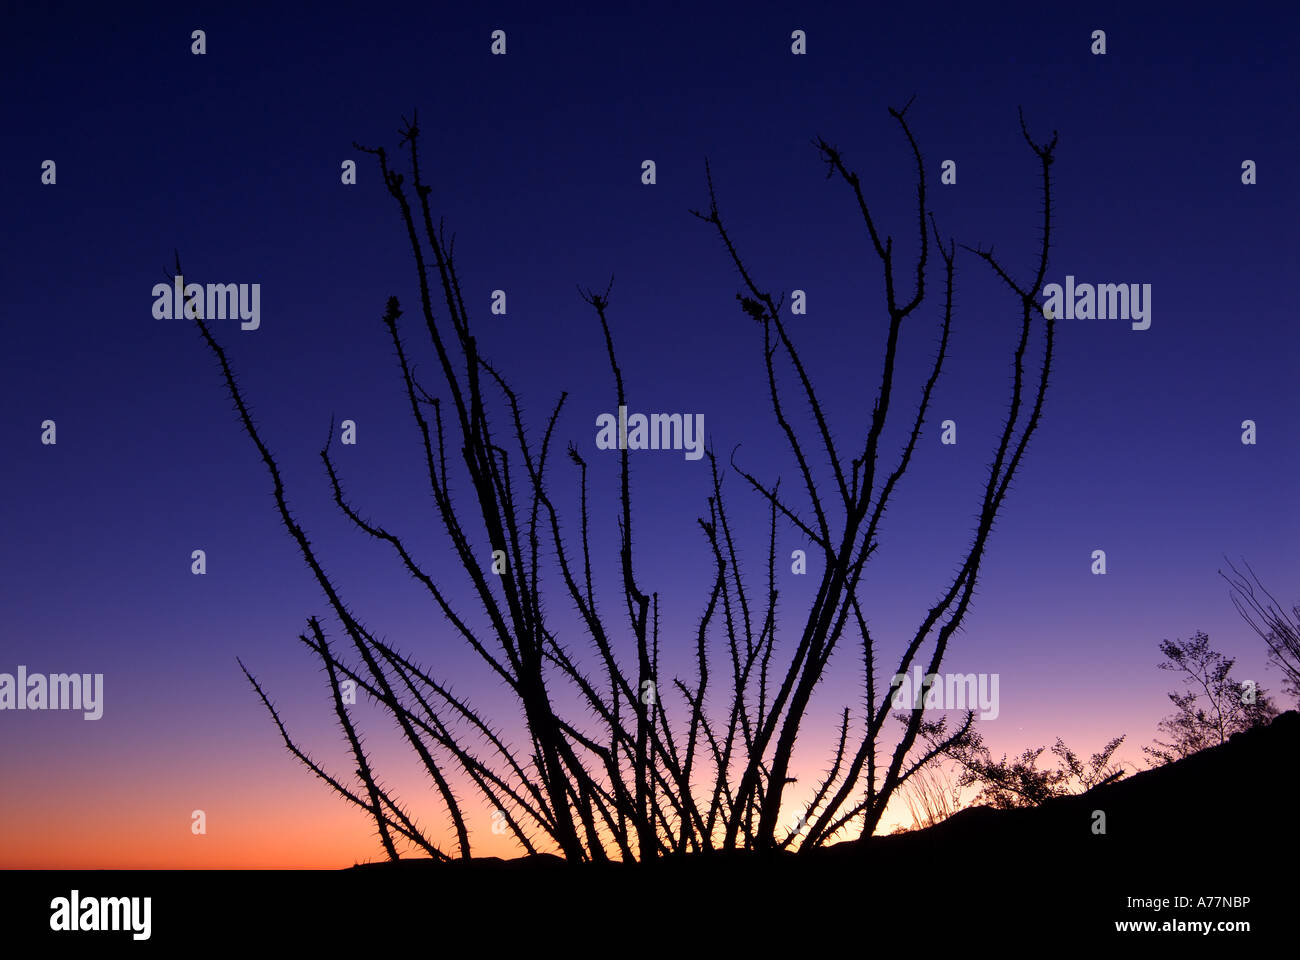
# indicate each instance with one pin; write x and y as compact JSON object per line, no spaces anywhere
{"x":234,"y":158}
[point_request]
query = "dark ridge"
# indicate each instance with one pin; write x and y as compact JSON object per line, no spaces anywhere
{"x":1204,"y":826}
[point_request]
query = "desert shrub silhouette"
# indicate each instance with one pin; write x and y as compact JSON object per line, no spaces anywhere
{"x":631,"y":780}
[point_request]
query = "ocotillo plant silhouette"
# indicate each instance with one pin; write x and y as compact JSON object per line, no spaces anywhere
{"x":1269,"y":619}
{"x":632,"y":782}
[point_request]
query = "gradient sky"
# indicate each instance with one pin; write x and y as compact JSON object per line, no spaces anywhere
{"x":234,"y":158}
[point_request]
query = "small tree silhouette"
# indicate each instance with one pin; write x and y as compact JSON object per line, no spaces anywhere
{"x":629,"y":781}
{"x":1212,"y":708}
{"x":1020,"y":783}
{"x":1007,"y":784}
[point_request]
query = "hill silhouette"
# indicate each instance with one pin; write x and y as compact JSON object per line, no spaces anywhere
{"x":1205,"y":826}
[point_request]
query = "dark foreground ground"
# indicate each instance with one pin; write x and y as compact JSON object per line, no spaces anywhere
{"x":1213,"y":835}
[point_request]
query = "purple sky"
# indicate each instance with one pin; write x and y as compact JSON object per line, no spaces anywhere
{"x":234,"y":158}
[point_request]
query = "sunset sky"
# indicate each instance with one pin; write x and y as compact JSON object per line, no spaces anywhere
{"x":233,"y":157}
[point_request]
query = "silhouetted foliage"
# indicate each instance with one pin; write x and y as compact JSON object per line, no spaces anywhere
{"x":1007,"y":784}
{"x":624,"y":778}
{"x":931,"y":797}
{"x":1280,"y":630}
{"x":1212,"y":708}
